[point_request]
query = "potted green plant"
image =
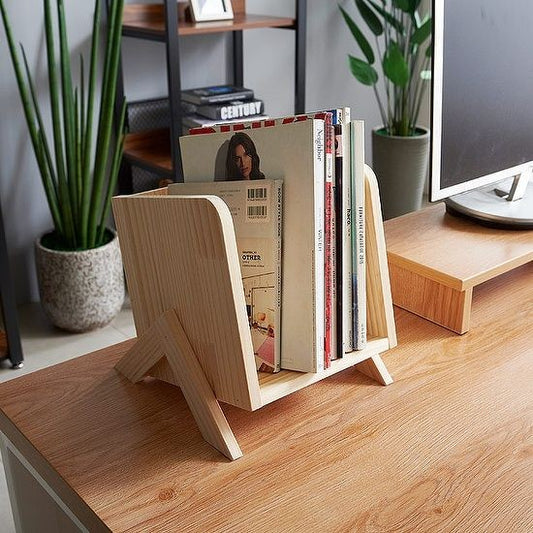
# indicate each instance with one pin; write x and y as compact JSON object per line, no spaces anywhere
{"x":400,"y":146}
{"x":79,"y":266}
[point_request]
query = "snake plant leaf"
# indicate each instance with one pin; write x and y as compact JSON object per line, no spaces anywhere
{"x":362,"y":71}
{"x":361,"y":40}
{"x":429,"y":51}
{"x":394,"y":65}
{"x":425,"y":75}
{"x":407,"y":6}
{"x":393,"y":21}
{"x":421,"y":33}
{"x":372,"y":21}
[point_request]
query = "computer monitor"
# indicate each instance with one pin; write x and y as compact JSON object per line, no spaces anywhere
{"x":482,"y":109}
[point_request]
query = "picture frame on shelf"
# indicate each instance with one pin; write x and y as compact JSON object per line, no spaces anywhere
{"x":207,"y":10}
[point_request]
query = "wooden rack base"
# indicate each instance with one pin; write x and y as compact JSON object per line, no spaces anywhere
{"x":436,"y":260}
{"x":182,"y":267}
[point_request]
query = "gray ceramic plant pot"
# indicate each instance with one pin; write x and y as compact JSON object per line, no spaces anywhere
{"x":401,"y":166}
{"x":80,"y":291}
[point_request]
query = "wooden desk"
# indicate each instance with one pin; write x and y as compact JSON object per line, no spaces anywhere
{"x":442,"y":449}
{"x":436,"y":260}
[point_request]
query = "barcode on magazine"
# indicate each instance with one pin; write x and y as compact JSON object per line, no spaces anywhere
{"x":257,"y":211}
{"x":257,"y":194}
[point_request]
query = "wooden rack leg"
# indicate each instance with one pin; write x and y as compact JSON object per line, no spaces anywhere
{"x":167,"y":337}
{"x":431,"y":299}
{"x":375,"y":368}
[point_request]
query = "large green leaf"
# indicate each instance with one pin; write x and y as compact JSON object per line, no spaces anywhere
{"x":393,"y":21}
{"x":407,"y":6}
{"x":395,"y":66}
{"x":421,"y":33}
{"x":362,"y":71}
{"x":372,"y":21}
{"x":361,"y":40}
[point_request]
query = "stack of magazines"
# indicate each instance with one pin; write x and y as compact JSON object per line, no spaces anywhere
{"x":295,"y":188}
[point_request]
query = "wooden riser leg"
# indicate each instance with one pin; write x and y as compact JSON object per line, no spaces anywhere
{"x":375,"y":368}
{"x":430,"y":299}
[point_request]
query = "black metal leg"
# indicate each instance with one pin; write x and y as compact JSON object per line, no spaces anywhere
{"x":7,"y":299}
{"x":174,"y":84}
{"x":238,"y":61}
{"x":301,"y":25}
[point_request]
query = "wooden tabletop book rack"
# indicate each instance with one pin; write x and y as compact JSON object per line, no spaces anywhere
{"x":183,"y":274}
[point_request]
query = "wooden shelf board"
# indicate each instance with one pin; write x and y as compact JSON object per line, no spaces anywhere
{"x":150,"y":148}
{"x":148,"y":20}
{"x":275,"y":386}
{"x":426,"y":242}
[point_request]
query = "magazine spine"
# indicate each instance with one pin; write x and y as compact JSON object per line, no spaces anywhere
{"x":328,"y":239}
{"x":358,"y":235}
{"x":346,"y":236}
{"x":278,"y":210}
{"x":318,"y":262}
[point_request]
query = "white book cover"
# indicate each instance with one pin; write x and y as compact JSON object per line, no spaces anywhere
{"x":358,"y":234}
{"x":256,"y":208}
{"x":292,"y":151}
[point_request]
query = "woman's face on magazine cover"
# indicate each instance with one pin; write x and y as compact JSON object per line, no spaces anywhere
{"x":243,"y":161}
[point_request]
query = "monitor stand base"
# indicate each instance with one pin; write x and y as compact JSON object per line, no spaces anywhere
{"x":489,"y":207}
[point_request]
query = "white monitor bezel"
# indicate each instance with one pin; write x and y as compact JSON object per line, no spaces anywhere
{"x":436,"y":192}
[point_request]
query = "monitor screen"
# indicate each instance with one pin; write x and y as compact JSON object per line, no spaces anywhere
{"x":482,"y":93}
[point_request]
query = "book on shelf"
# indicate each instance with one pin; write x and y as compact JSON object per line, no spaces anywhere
{"x":357,"y":134}
{"x":216,"y":94}
{"x":256,"y":209}
{"x":291,"y":149}
{"x":232,"y":110}
{"x":198,"y":121}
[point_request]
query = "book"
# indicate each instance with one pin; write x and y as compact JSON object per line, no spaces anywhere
{"x":234,"y":109}
{"x":329,"y":242}
{"x":357,"y":133}
{"x":256,"y":208}
{"x":344,"y":233}
{"x":216,"y":94}
{"x":198,"y":121}
{"x":291,"y":149}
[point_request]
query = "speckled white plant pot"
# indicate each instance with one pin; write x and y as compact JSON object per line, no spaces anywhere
{"x":80,"y":291}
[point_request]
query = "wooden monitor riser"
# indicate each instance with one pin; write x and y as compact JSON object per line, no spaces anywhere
{"x":436,"y":259}
{"x":183,"y":273}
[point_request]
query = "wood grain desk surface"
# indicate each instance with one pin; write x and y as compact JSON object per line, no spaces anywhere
{"x":444,"y":448}
{"x":453,"y":250}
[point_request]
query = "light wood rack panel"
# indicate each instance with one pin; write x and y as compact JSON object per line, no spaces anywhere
{"x":182,"y":267}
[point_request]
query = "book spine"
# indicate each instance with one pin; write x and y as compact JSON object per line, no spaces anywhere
{"x":358,"y":234}
{"x":337,"y":344}
{"x":318,"y":259}
{"x":346,"y":236}
{"x":328,"y":239}
{"x":232,"y":110}
{"x":198,"y":99}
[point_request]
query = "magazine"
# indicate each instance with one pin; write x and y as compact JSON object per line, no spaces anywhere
{"x":257,"y":218}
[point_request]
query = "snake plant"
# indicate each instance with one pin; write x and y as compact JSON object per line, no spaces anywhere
{"x":80,"y":157}
{"x":402,"y":46}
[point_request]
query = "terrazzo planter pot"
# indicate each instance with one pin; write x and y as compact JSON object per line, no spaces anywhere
{"x":401,"y":166}
{"x":81,"y":290}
